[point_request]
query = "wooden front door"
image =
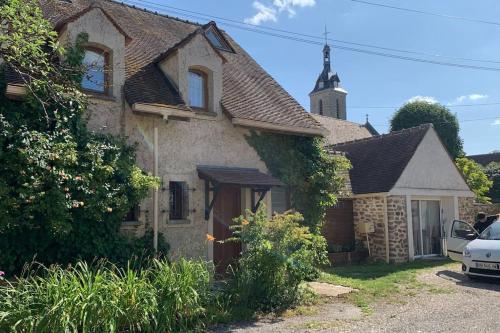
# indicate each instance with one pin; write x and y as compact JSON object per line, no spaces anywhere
{"x":227,"y":207}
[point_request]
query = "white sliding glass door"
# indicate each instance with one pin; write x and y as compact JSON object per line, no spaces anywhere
{"x":426,"y":220}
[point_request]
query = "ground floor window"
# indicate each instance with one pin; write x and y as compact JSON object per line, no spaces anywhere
{"x":132,"y":215}
{"x":280,"y":199}
{"x":179,"y":200}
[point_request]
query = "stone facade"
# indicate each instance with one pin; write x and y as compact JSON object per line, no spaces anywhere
{"x":398,"y":229}
{"x":207,"y":139}
{"x":371,"y":209}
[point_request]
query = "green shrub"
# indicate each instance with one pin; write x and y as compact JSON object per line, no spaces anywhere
{"x":163,"y":297}
{"x":279,"y":255}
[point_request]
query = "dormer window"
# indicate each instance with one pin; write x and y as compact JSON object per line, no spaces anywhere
{"x":95,"y":77}
{"x":217,"y":40}
{"x":197,"y":89}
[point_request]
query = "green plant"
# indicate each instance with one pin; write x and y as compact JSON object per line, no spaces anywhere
{"x":475,"y":177}
{"x":492,"y":170}
{"x":421,"y":112}
{"x":280,"y":254}
{"x":161,"y":297}
{"x":64,"y":190}
{"x":314,"y":176}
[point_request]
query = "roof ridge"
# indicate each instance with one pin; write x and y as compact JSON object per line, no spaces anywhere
{"x":336,"y":119}
{"x":383,"y":136}
{"x":154,"y":12}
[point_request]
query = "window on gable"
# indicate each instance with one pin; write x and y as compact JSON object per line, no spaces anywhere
{"x":197,"y":89}
{"x":95,"y":77}
{"x":217,"y":40}
{"x":179,"y":201}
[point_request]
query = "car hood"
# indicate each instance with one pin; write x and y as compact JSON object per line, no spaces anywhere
{"x":486,"y":250}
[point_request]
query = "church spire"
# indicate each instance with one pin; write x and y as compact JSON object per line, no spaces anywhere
{"x":326,"y":53}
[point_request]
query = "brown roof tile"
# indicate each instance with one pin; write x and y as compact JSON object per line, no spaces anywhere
{"x":378,"y":162}
{"x":342,"y":130}
{"x":248,"y":91}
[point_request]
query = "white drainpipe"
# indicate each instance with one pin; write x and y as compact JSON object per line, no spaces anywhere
{"x":155,"y":193}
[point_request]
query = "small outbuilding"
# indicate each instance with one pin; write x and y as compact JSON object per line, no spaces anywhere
{"x":406,"y":191}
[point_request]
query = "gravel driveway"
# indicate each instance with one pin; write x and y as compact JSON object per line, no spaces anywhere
{"x":454,"y":304}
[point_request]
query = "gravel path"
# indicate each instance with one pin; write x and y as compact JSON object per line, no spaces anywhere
{"x":454,"y":304}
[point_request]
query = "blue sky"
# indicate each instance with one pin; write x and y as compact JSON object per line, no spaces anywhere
{"x":374,"y":80}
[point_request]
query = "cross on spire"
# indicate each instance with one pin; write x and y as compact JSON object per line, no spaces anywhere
{"x":326,"y":35}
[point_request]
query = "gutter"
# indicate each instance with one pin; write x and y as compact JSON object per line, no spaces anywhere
{"x":279,"y":128}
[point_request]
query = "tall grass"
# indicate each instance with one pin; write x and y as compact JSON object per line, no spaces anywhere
{"x":162,"y":297}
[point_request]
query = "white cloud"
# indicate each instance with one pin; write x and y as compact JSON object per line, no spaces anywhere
{"x":264,"y":14}
{"x":468,"y":98}
{"x":428,"y":99}
{"x":496,"y":122}
{"x":288,"y":5}
{"x":269,"y":12}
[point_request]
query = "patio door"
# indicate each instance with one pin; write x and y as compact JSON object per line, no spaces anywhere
{"x":426,"y":220}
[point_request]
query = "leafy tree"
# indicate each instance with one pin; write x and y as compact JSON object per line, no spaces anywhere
{"x":422,"y":112}
{"x":475,"y":177}
{"x":492,"y":170}
{"x":63,"y":189}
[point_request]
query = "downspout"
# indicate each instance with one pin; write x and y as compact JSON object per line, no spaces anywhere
{"x":155,"y":193}
{"x":386,"y":227}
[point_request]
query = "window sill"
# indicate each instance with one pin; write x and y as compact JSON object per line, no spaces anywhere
{"x":178,"y":223}
{"x":103,"y":97}
{"x":131,"y":223}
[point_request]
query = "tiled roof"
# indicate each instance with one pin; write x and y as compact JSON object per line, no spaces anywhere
{"x":379,"y":161}
{"x":342,"y":130}
{"x":485,"y":159}
{"x":248,"y":91}
{"x":237,"y":176}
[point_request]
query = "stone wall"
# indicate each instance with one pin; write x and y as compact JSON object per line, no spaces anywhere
{"x":398,"y":229}
{"x":371,"y":209}
{"x":468,"y":209}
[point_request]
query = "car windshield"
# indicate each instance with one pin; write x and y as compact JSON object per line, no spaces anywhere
{"x":492,"y":232}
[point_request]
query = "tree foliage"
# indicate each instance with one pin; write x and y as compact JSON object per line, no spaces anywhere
{"x":475,"y":177}
{"x":63,"y":189}
{"x":315,"y":178}
{"x":492,"y":170}
{"x":422,"y":112}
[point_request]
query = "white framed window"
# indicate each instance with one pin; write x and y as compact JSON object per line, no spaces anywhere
{"x":96,"y":71}
{"x":197,"y":89}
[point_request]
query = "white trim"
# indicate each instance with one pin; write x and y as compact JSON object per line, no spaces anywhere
{"x":409,"y":223}
{"x":386,"y":230}
{"x":369,"y":195}
{"x":279,"y":128}
{"x":427,"y":192}
{"x":455,"y":208}
{"x":164,"y":111}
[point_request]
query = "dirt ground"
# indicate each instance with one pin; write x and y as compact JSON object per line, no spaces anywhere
{"x":453,"y":303}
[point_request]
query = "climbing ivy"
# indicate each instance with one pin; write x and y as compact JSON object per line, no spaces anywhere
{"x":64,"y":190}
{"x":315,"y":177}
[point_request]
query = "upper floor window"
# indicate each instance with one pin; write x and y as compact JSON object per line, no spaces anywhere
{"x":321,"y":107}
{"x":95,"y":77}
{"x":216,"y":39}
{"x":197,"y":89}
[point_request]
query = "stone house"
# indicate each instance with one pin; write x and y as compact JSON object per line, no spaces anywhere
{"x":186,"y":94}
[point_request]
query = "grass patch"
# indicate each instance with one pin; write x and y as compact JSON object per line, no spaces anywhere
{"x":377,"y":281}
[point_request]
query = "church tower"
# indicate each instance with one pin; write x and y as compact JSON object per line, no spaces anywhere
{"x":327,"y":97}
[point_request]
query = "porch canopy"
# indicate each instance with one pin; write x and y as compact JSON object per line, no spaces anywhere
{"x":217,"y":176}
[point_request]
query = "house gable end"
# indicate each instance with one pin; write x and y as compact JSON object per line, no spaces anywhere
{"x":431,"y":168}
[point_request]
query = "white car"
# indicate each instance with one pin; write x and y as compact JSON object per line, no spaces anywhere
{"x":479,"y":254}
